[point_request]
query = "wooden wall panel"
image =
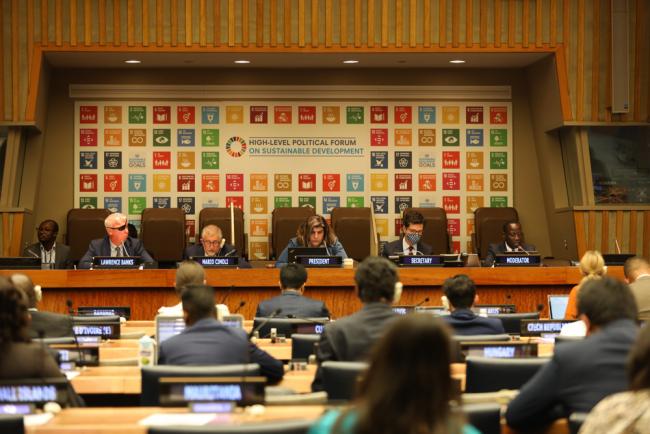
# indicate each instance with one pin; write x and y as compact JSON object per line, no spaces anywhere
{"x":602,"y":229}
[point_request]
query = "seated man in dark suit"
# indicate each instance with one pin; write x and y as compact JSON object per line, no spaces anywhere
{"x":116,"y":243}
{"x":52,"y":254}
{"x":513,"y":241}
{"x":206,"y":341}
{"x":409,"y":241}
{"x":292,"y":301}
{"x":49,"y":324}
{"x":212,"y":243}
{"x":582,"y":373}
{"x":352,"y":337}
{"x":460,"y":294}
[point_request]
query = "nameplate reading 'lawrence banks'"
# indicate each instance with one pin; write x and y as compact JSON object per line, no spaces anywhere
{"x":320,"y":261}
{"x":518,"y":260}
{"x":217,"y":261}
{"x":116,"y":262}
{"x":421,"y":261}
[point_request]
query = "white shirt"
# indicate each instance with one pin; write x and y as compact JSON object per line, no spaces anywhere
{"x":405,"y":247}
{"x":48,"y":256}
{"x":222,"y":310}
{"x":577,"y":328}
{"x":114,"y":247}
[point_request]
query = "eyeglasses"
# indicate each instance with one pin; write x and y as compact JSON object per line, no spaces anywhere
{"x":119,"y":228}
{"x":211,"y":243}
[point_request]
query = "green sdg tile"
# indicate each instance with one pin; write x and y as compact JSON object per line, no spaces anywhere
{"x":307,"y":201}
{"x":209,"y":160}
{"x":137,"y":205}
{"x":498,"y":160}
{"x":137,"y":114}
{"x":162,"y":137}
{"x":498,"y":201}
{"x":450,"y":137}
{"x":88,"y":202}
{"x":354,"y":202}
{"x":354,"y":115}
{"x":498,"y":137}
{"x":209,"y":137}
{"x":282,"y":201}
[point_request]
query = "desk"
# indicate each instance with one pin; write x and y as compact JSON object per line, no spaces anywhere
{"x":146,"y":290}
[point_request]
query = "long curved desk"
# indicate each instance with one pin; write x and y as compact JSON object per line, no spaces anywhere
{"x":146,"y":290}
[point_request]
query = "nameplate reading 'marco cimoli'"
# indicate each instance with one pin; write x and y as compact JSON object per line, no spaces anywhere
{"x":217,"y":261}
{"x":320,"y":261}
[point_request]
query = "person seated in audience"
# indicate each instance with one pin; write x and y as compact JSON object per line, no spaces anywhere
{"x":513,"y":241}
{"x":212,"y":243}
{"x":292,"y":300}
{"x":409,"y":242}
{"x":190,"y":273}
{"x":351,"y":338}
{"x":42,"y":324}
{"x":592,"y":266}
{"x":19,"y":356}
{"x":626,"y":412}
{"x":637,"y":274}
{"x":408,"y":386}
{"x":460,"y":296}
{"x":206,"y":341}
{"x":314,"y":232}
{"x":116,"y":242}
{"x":52,"y":254}
{"x":582,"y":373}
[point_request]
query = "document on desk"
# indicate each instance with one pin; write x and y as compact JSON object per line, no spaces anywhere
{"x":37,"y":419}
{"x":161,"y":419}
{"x":71,"y":374}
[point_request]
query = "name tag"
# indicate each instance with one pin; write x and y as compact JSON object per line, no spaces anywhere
{"x":217,"y":261}
{"x":539,"y":327}
{"x":517,"y":260}
{"x":421,"y":261}
{"x":320,"y":261}
{"x":117,"y":262}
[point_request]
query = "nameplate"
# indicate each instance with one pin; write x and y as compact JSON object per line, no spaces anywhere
{"x":518,"y":260}
{"x":420,"y":261}
{"x":106,"y":331}
{"x":538,"y":327}
{"x":175,"y":391}
{"x":320,"y":261}
{"x":126,"y":262}
{"x":403,"y":310}
{"x":83,"y":355}
{"x":123,"y":311}
{"x":216,"y":261}
{"x":499,"y":350}
{"x":308,"y":329}
{"x":33,"y":391}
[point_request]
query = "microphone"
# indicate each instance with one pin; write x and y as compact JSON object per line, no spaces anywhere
{"x":228,"y":291}
{"x":422,"y":302}
{"x":33,"y":253}
{"x":242,"y":303}
{"x":540,"y":308}
{"x":521,"y":249}
{"x":230,"y":252}
{"x":81,"y":361}
{"x":618,"y":247}
{"x":275,"y":313}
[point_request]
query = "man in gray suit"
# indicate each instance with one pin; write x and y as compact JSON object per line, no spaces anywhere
{"x":52,"y":254}
{"x":49,"y":324}
{"x":637,"y":274}
{"x":292,"y":301}
{"x":351,"y":338}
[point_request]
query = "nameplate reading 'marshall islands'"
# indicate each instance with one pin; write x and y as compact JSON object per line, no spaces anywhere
{"x":320,"y":261}
{"x":216,"y":261}
{"x":421,"y":261}
{"x":518,"y":260}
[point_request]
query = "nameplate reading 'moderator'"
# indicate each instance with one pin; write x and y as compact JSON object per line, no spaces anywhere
{"x":517,"y":260}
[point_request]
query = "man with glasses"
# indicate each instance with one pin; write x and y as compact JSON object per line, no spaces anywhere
{"x":52,"y":254}
{"x":116,"y":242}
{"x":409,"y":242}
{"x":212,"y":243}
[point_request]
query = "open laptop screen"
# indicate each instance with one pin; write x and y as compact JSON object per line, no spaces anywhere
{"x":557,"y":305}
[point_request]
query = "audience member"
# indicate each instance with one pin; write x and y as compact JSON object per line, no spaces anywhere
{"x":627,"y":412}
{"x":116,"y":243}
{"x":408,"y":386}
{"x":52,"y":254}
{"x":513,"y":241}
{"x":206,"y":341}
{"x":410,"y":237}
{"x":45,"y":324}
{"x":351,"y":338}
{"x":582,"y":373}
{"x":637,"y":274}
{"x":314,"y":232}
{"x":460,"y":295}
{"x":292,"y":300}
{"x":19,"y":356}
{"x":190,"y":273}
{"x":592,"y":266}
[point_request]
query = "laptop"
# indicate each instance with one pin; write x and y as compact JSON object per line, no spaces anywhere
{"x":166,"y":327}
{"x":305,"y":251}
{"x":557,"y":305}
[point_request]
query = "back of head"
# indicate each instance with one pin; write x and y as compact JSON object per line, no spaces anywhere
{"x":634,"y":266}
{"x":393,"y":398}
{"x":292,"y":276}
{"x":376,"y":278}
{"x":25,"y":284}
{"x":638,"y":364}
{"x":592,"y":264}
{"x":13,"y":314}
{"x":198,"y":302}
{"x":460,"y":290}
{"x":606,"y":300}
{"x":189,"y":273}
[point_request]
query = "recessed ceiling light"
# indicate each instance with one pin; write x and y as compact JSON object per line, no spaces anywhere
{"x":242,"y":61}
{"x":350,"y":61}
{"x":133,"y":61}
{"x":457,"y":61}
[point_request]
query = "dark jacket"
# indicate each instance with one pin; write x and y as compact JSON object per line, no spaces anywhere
{"x":293,"y":304}
{"x":226,"y":250}
{"x":55,"y":325}
{"x":578,"y":376}
{"x":465,"y":322}
{"x":209,"y":342}
{"x":61,"y":254}
{"x":27,"y":360}
{"x":500,"y":248}
{"x":102,"y":247}
{"x":352,"y":337}
{"x":397,"y":248}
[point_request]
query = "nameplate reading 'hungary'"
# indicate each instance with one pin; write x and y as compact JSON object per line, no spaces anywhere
{"x":217,"y":261}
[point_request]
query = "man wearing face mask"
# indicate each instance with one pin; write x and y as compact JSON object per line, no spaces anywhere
{"x":409,"y":242}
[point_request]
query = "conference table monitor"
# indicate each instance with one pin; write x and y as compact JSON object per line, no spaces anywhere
{"x":20,"y":263}
{"x":217,"y":261}
{"x":117,"y":262}
{"x":518,"y":259}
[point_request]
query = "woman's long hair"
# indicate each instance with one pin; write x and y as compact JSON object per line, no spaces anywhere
{"x":315,"y":221}
{"x":408,"y":387}
{"x":13,"y":314}
{"x":592,"y":266}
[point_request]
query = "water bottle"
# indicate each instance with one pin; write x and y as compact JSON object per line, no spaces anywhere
{"x":146,"y":351}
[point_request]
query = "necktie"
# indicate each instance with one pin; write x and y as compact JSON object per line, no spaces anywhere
{"x":410,"y":250}
{"x":118,"y":251}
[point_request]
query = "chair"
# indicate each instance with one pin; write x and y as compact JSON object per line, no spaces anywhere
{"x":512,"y":321}
{"x":284,"y":326}
{"x":284,"y":224}
{"x":12,"y":424}
{"x":435,"y":229}
{"x":83,"y":226}
{"x":491,"y":375}
{"x":484,"y":417}
{"x":340,"y":379}
{"x":303,"y":346}
{"x":271,"y":427}
{"x":152,"y":374}
{"x":488,"y":227}
{"x":163,"y":233}
{"x":575,"y":421}
{"x":222,"y":218}
{"x":353,"y":227}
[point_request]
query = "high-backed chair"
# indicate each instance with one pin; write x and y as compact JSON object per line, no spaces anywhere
{"x":512,"y":321}
{"x":151,"y":376}
{"x":12,"y":424}
{"x":340,"y":379}
{"x":284,"y":224}
{"x":222,"y":218}
{"x":435,"y":229}
{"x":83,"y":226}
{"x":488,"y":227}
{"x":163,"y":233}
{"x":484,"y":417}
{"x":303,"y":346}
{"x":353,"y":227}
{"x":269,"y":427}
{"x":491,"y":375}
